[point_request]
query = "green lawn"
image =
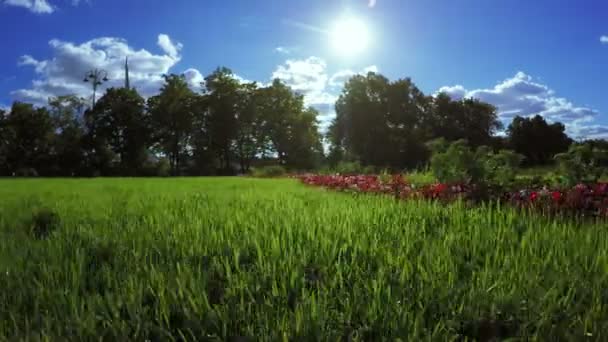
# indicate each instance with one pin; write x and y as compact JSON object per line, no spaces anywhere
{"x":233,"y":258}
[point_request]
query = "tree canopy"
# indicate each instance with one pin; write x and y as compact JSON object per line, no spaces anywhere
{"x":387,"y":124}
{"x":230,"y":126}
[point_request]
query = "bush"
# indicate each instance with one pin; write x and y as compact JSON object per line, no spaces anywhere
{"x":26,"y":172}
{"x":353,"y":168}
{"x":500,"y":168}
{"x":582,"y":163}
{"x":163,"y":168}
{"x":457,"y":163}
{"x":420,"y":177}
{"x":44,"y":222}
{"x":269,"y":171}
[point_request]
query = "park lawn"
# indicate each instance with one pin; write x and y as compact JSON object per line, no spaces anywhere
{"x":251,"y":259}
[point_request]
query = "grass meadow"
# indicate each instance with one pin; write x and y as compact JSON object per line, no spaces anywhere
{"x":242,"y":259}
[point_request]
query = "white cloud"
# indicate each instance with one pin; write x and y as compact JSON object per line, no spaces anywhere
{"x":63,"y":72}
{"x":35,"y":6}
{"x":521,"y":95}
{"x":339,"y":78}
{"x":194,"y":78}
{"x":170,"y":47}
{"x":588,"y":132}
{"x":372,"y":3}
{"x":456,"y":92}
{"x":310,"y":78}
{"x":604,"y":39}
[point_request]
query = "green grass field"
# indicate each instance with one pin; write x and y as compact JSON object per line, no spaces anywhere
{"x":247,"y":259}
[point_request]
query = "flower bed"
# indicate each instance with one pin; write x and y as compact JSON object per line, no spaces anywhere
{"x":589,"y":200}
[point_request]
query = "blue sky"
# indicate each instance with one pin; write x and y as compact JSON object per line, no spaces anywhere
{"x":525,"y":57}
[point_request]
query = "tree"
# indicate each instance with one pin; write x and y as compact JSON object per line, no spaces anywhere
{"x":172,"y":117}
{"x":28,"y":132}
{"x":468,"y":119}
{"x":304,"y":150}
{"x":5,"y":142}
{"x":537,"y":140}
{"x":222,"y":95}
{"x":289,"y":127}
{"x":69,"y":152}
{"x":251,"y":139}
{"x":381,"y":123}
{"x":119,"y":125}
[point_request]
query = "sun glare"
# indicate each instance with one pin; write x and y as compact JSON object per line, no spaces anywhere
{"x":349,"y":36}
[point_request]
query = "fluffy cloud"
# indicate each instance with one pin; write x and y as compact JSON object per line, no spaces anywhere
{"x":456,"y":92}
{"x":339,"y":78}
{"x":63,"y":73}
{"x":320,"y":89}
{"x":521,"y":95}
{"x":194,"y":78}
{"x":170,"y":47}
{"x":35,"y":6}
{"x":307,"y":76}
{"x":604,"y":39}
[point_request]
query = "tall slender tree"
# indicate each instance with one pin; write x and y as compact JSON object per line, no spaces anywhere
{"x":69,"y":154}
{"x":222,"y":97}
{"x":172,"y":118}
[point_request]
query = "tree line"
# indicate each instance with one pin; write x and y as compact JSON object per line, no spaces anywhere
{"x":390,"y":125}
{"x":221,"y":130}
{"x":229,"y":127}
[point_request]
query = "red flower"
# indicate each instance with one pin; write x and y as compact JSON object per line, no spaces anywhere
{"x":556,"y":195}
{"x":533,"y":196}
{"x":439,"y":188}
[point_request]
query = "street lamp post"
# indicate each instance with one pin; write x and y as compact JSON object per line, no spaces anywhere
{"x":96,"y":77}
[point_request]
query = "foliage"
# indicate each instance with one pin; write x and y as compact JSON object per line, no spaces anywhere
{"x":26,"y":172}
{"x":221,"y":130}
{"x":291,"y":128}
{"x":385,"y":124}
{"x":537,"y":140}
{"x":119,"y":126}
{"x":582,"y":162}
{"x":351,"y":168}
{"x":269,"y":171}
{"x":172,"y":116}
{"x":226,"y":126}
{"x":163,"y":168}
{"x":28,"y":135}
{"x":456,"y":163}
{"x":500,"y":168}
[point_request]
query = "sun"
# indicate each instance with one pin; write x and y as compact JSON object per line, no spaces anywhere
{"x":349,"y":36}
